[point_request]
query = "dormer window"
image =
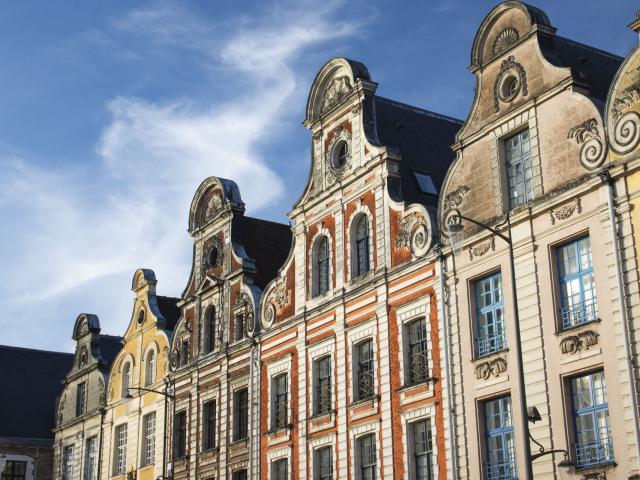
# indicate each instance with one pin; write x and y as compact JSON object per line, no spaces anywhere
{"x":321,"y":266}
{"x":340,"y":154}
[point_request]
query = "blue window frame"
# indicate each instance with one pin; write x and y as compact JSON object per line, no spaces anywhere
{"x":577,"y":288}
{"x":519,"y":168}
{"x":500,"y":442}
{"x":489,"y":315}
{"x":594,"y":445}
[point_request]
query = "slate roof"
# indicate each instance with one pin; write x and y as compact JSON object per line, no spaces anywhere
{"x":30,"y":383}
{"x":110,"y":345}
{"x":595,"y":66}
{"x":169,"y":309}
{"x":423,"y":139}
{"x":266,"y":242}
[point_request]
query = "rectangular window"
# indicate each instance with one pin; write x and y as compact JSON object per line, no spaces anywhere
{"x":240,"y":414}
{"x":280,"y":469}
{"x":14,"y":470}
{"x":591,"y":420}
{"x":322,"y":386}
{"x":279,"y":401}
{"x":120,"y":451}
{"x":67,"y":463}
{"x":238,"y":327}
{"x":500,"y":443}
{"x":519,"y":170}
{"x":209,"y":425}
{"x":417,"y":369}
{"x":365,"y":384}
{"x":422,"y":450}
{"x":180,"y":434}
{"x":239,"y":475}
{"x":149,"y":439}
{"x":489,"y":315}
{"x":367,"y":457}
{"x":577,"y":288}
{"x":323,"y":464}
{"x":91,"y":459}
{"x":81,"y":398}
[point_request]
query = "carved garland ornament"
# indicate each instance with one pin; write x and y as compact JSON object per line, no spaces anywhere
{"x":593,"y":151}
{"x":510,"y":71}
{"x":213,"y":207}
{"x":484,"y":370}
{"x":582,"y":341}
{"x":454,"y":199}
{"x":482,"y":248}
{"x":338,"y":90}
{"x":565,"y":211}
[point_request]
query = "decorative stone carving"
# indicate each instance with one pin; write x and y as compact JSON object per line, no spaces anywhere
{"x":581,"y":341}
{"x":83,"y":358}
{"x":413,"y":233}
{"x":599,"y":475}
{"x":494,"y":367}
{"x":504,"y":40}
{"x":626,"y":133}
{"x":629,"y":96}
{"x":565,"y":211}
{"x":482,"y":248}
{"x":509,"y":69}
{"x":112,"y":393}
{"x":269,"y":315}
{"x":338,"y":90}
{"x":281,"y":295}
{"x":454,"y":199}
{"x":61,"y":409}
{"x":214,"y":206}
{"x":593,"y":151}
{"x":317,"y":136}
{"x":209,"y":259}
{"x":356,"y":109}
{"x":84,"y":328}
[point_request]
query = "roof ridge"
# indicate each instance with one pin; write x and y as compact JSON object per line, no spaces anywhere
{"x":590,"y":47}
{"x":422,"y":111}
{"x":266,"y":221}
{"x":27,"y":349}
{"x":110,"y":336}
{"x":169,"y":297}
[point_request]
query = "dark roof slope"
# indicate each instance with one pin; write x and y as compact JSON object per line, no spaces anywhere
{"x":423,"y":139}
{"x":268,"y":243}
{"x":110,"y":345}
{"x":169,"y":309}
{"x":30,"y":383}
{"x":595,"y":66}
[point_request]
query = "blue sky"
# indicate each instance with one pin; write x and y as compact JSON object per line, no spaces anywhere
{"x":114,"y":111}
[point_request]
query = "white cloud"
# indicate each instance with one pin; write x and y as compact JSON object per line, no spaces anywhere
{"x":82,"y":226}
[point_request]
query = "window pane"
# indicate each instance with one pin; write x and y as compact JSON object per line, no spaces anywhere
{"x":519,"y":168}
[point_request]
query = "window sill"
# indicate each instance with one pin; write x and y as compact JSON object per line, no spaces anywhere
{"x":409,"y":386}
{"x":362,"y":401}
{"x":578,"y":327}
{"x":318,"y":416}
{"x":239,"y":442}
{"x":599,"y":466}
{"x":275,"y":430}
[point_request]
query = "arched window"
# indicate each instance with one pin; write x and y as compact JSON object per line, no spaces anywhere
{"x":321,"y":266}
{"x":150,"y":368}
{"x":360,"y":246}
{"x":210,"y":330}
{"x":126,"y":379}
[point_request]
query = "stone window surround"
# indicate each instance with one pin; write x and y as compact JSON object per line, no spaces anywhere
{"x":151,"y":346}
{"x":279,"y":454}
{"x":360,"y":210}
{"x":322,"y":231}
{"x":274,"y":369}
{"x":526,"y":119}
{"x":428,"y":412}
{"x":212,"y":301}
{"x":211,"y":394}
{"x":355,"y":336}
{"x":315,"y":352}
{"x":405,"y":314}
{"x":357,"y":432}
{"x":317,"y":444}
{"x":31,"y":464}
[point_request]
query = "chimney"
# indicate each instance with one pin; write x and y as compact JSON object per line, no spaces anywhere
{"x":635,"y":25}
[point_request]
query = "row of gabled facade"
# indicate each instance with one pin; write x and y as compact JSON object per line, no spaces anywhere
{"x":367,"y":339}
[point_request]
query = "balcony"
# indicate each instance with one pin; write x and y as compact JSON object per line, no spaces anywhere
{"x":595,"y":453}
{"x":579,"y":314}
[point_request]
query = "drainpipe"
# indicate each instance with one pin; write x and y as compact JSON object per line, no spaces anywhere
{"x":447,"y":368}
{"x":606,"y":178}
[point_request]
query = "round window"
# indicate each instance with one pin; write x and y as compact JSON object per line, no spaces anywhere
{"x":140,"y":317}
{"x":339,"y":155}
{"x":510,"y":87}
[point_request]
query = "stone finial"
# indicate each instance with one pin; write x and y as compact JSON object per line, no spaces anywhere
{"x":635,"y":25}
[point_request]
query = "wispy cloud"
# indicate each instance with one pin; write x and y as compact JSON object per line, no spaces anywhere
{"x":93,"y":224}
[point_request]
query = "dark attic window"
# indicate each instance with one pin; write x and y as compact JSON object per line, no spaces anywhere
{"x":425,"y":183}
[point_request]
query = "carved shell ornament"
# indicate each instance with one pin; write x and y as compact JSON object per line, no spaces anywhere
{"x":504,"y":40}
{"x":338,"y":90}
{"x":213,"y":207}
{"x":510,"y":82}
{"x":593,"y":151}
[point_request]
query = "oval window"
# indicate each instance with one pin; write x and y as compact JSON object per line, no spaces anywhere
{"x":510,"y":87}
{"x":212,"y":258}
{"x":340,"y":155}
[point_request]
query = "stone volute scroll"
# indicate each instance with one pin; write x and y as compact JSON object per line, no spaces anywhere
{"x":593,"y":151}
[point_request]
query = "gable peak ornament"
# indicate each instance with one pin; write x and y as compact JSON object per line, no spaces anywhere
{"x":338,"y":90}
{"x":504,"y":40}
